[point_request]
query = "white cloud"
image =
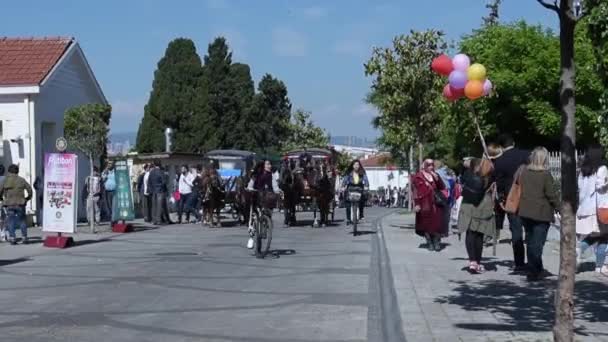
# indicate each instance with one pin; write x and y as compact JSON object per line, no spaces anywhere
{"x":216,"y":4}
{"x":289,"y":43}
{"x":350,"y":47}
{"x":315,"y":12}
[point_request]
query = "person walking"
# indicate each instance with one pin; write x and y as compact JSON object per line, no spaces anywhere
{"x":108,"y":178}
{"x":448,"y":178}
{"x":3,"y":230}
{"x":93,"y":189}
{"x":429,"y":204}
{"x":156,"y":187}
{"x":355,"y":176}
{"x":476,"y":216}
{"x":185,"y":185}
{"x":593,"y":194}
{"x":13,"y":193}
{"x":144,"y":193}
{"x":538,"y":204}
{"x":505,"y":167}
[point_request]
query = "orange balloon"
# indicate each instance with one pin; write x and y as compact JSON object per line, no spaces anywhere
{"x":473,"y":90}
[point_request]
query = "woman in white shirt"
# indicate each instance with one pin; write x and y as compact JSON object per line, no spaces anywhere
{"x":593,"y":194}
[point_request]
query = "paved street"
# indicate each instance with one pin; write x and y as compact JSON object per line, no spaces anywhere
{"x":187,"y":283}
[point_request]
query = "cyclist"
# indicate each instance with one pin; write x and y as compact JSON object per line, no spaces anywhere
{"x":262,"y":180}
{"x":355,"y":177}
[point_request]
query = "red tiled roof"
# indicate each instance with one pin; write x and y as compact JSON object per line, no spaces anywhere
{"x":27,"y":61}
{"x":379,"y":160}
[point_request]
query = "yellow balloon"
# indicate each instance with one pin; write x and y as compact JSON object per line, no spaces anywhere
{"x":476,"y":72}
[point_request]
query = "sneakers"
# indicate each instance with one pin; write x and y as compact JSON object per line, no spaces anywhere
{"x":602,"y":270}
{"x":24,"y":240}
{"x":13,"y":241}
{"x":250,"y":243}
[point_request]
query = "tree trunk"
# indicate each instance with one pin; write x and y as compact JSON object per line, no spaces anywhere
{"x":90,"y":215}
{"x":420,"y":155}
{"x":563,"y":330}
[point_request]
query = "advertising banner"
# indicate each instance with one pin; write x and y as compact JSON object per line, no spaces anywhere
{"x":123,"y":198}
{"x":60,"y":192}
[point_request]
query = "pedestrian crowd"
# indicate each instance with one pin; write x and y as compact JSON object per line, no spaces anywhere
{"x":513,"y":184}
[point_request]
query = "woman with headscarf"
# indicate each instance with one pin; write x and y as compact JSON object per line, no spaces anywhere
{"x":429,"y":204}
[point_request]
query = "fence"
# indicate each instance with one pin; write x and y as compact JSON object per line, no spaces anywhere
{"x":555,"y":163}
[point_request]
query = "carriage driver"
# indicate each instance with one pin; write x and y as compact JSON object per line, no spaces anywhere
{"x":262,"y":180}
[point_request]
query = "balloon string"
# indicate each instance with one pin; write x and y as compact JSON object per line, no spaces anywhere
{"x":483,"y":141}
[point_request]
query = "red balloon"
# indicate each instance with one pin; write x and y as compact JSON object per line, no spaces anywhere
{"x":442,"y":65}
{"x":452,"y":94}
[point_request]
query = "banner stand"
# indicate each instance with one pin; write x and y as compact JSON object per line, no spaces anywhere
{"x":122,"y":227}
{"x":58,"y":241}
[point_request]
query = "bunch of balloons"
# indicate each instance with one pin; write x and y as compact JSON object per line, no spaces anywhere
{"x":464,"y":79}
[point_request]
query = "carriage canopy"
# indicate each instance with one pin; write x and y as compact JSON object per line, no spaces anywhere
{"x":231,"y":163}
{"x":314,"y":153}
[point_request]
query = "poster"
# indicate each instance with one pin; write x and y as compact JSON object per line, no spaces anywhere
{"x":60,"y":187}
{"x":123,"y":198}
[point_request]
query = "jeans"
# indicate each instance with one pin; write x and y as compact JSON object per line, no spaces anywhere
{"x":187,"y":204}
{"x":348,"y":209}
{"x":158,"y":204}
{"x":93,"y":212}
{"x":517,"y":235}
{"x":474,"y":244}
{"x":146,"y":206}
{"x":536,"y":236}
{"x":109,"y":201}
{"x":600,"y":249}
{"x":15,"y":218}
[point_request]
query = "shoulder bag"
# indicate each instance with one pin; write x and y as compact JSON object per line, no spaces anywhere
{"x":602,"y":213}
{"x":512,"y":203}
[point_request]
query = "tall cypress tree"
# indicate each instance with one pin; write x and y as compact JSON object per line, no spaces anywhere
{"x":272,"y":110}
{"x":175,"y":85}
{"x":244,"y":90}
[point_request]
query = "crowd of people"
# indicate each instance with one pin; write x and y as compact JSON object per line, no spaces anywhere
{"x":516,"y":185}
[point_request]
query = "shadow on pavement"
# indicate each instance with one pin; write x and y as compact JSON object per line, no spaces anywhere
{"x":13,"y":261}
{"x":442,"y":246}
{"x":365,"y":232}
{"x":526,"y":307}
{"x":78,"y":243}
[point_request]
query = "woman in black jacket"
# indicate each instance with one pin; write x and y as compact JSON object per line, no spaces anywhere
{"x":476,"y":215}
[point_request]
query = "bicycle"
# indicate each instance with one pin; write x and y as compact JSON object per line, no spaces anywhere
{"x":354,"y":194}
{"x":261,"y":220}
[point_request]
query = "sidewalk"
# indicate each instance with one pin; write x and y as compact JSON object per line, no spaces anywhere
{"x":440,"y":301}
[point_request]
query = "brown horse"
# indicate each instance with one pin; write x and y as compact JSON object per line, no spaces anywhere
{"x":212,"y":197}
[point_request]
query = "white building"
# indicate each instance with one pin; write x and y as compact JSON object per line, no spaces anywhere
{"x":356,"y":152}
{"x":383,"y":174}
{"x":40,"y":78}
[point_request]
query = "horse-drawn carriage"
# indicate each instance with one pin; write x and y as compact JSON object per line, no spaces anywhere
{"x":232,"y":167}
{"x":308,"y":179}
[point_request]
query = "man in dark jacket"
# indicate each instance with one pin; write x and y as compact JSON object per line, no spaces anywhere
{"x":505,"y":167}
{"x":157,"y":187}
{"x":12,"y":191}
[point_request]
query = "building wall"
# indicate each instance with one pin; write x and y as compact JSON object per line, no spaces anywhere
{"x":70,"y":85}
{"x":14,"y":124}
{"x":379,"y":177}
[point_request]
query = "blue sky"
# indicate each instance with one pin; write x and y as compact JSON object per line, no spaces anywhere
{"x":316,"y":47}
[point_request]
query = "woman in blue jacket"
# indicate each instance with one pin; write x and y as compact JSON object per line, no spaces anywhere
{"x":355,"y":176}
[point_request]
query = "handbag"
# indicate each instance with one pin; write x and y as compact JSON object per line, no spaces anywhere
{"x":439,"y":197}
{"x":514,"y":196}
{"x":602,"y":215}
{"x":177,"y":196}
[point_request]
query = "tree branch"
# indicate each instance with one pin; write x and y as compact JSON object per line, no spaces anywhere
{"x":552,"y":6}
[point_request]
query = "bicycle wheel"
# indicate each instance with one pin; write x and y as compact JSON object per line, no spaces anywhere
{"x":354,"y":212}
{"x":264,"y":233}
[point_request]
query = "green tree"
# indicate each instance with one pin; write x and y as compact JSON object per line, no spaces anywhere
{"x":406,"y":91}
{"x":272,"y":111}
{"x":175,"y":85}
{"x":303,"y":133}
{"x":219,"y":97}
{"x":244,"y":90}
{"x":492,"y":18}
{"x":597,"y":20}
{"x":86,"y":129}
